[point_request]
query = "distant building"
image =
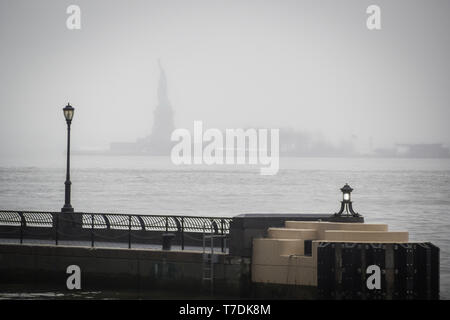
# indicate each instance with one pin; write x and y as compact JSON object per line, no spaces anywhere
{"x":431,"y":150}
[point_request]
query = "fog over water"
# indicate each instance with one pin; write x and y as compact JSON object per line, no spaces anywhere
{"x":308,"y":65}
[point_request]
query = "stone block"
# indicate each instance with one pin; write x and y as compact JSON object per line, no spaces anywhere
{"x":368,"y":236}
{"x":289,"y":233}
{"x":274,"y":251}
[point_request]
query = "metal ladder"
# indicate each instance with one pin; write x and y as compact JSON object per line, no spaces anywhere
{"x":209,"y":258}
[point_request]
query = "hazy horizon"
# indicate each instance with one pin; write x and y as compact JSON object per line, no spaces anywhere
{"x":310,"y":66}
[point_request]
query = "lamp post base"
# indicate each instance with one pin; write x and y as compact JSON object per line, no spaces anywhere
{"x":67,"y":224}
{"x":67,"y":209}
{"x":346,"y":218}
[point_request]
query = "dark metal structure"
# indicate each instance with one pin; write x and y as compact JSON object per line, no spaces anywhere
{"x":407,"y":270}
{"x":346,"y":213}
{"x":109,"y":227}
{"x":68,"y":114}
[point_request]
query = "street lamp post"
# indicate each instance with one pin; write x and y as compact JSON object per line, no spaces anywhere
{"x":68,"y":114}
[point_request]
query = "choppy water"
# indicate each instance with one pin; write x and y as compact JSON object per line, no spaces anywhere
{"x":408,"y":194}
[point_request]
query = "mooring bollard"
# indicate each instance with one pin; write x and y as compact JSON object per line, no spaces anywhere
{"x":167,"y":240}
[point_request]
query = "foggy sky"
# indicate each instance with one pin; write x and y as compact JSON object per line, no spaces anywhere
{"x":309,"y":65}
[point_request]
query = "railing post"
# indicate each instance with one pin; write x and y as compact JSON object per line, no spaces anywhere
{"x":182,"y":233}
{"x":167,"y":223}
{"x":212,"y":258}
{"x":56,"y":225}
{"x":21,"y":228}
{"x":92,"y":230}
{"x":222,"y":238}
{"x":129,"y":232}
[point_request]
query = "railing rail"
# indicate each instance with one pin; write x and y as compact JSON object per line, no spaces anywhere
{"x":117,"y":223}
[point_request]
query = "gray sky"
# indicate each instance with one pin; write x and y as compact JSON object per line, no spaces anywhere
{"x":310,"y":65}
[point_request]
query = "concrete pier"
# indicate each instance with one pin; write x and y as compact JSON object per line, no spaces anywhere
{"x":259,"y":256}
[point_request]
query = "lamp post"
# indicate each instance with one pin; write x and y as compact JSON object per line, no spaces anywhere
{"x":346,"y":213}
{"x":68,"y":114}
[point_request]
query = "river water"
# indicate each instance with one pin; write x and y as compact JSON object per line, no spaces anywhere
{"x":408,"y":194}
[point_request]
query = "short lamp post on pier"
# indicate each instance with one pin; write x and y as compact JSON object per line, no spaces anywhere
{"x":68,"y":114}
{"x":346,"y":213}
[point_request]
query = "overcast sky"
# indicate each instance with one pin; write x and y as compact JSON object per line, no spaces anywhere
{"x":310,"y":65}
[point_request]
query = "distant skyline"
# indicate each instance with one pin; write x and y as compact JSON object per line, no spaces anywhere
{"x":310,"y":66}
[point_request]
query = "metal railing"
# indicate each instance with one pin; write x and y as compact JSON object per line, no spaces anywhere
{"x":108,"y":226}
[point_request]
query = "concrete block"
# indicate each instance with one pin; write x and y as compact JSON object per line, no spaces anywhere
{"x":321,"y":227}
{"x":301,"y":271}
{"x":289,"y":233}
{"x":370,"y":236}
{"x":300,"y":261}
{"x":270,"y":251}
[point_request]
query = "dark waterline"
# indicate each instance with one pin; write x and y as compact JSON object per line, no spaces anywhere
{"x":30,"y":292}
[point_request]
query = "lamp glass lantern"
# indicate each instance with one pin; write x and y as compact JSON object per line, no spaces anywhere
{"x":346,"y":193}
{"x":68,"y":112}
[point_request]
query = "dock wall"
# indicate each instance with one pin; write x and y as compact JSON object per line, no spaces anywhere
{"x":115,"y":268}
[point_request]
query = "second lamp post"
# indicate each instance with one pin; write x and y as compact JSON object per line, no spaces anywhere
{"x":68,"y":114}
